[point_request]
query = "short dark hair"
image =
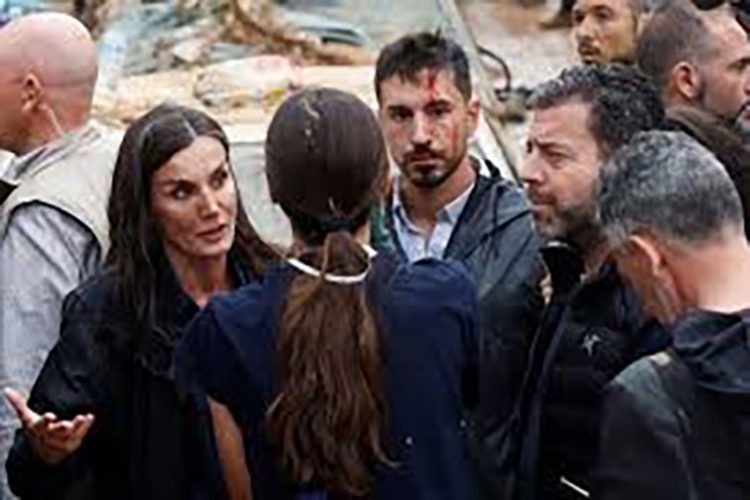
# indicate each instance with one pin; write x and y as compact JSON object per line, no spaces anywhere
{"x":668,"y":184}
{"x":623,"y":101}
{"x":676,"y":32}
{"x":412,"y":53}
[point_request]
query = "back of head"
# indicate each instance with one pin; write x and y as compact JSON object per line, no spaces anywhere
{"x":623,"y":101}
{"x":666,"y":184}
{"x":137,"y":251}
{"x":59,"y":53}
{"x":715,"y":136}
{"x":326,"y":163}
{"x":408,"y":56}
{"x":676,"y":32}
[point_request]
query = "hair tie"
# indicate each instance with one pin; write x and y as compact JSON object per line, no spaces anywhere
{"x":335,"y":278}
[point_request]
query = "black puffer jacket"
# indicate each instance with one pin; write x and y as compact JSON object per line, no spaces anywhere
{"x":589,"y":333}
{"x":142,"y":438}
{"x":676,"y":425}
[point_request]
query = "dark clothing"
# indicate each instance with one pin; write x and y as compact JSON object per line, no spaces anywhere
{"x":429,"y":316}
{"x":676,"y":425}
{"x":138,"y":445}
{"x":495,"y":240}
{"x":589,"y":333}
{"x":723,"y":142}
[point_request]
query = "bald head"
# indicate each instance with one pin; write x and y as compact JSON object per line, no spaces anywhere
{"x":49,"y":67}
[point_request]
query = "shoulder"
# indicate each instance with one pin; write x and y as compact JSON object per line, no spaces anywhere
{"x":239,"y":313}
{"x":505,"y":197}
{"x":438,"y":276}
{"x":638,"y":391}
{"x":431,"y":286}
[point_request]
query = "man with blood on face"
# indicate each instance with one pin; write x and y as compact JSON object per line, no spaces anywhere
{"x":440,"y":206}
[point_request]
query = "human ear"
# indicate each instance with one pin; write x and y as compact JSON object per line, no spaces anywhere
{"x":686,"y":81}
{"x":31,"y":92}
{"x":658,"y":271}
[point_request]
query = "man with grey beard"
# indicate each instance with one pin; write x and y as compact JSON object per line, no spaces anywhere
{"x":593,"y":326}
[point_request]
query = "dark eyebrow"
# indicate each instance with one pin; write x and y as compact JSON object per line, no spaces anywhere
{"x":741,"y":62}
{"x":438,"y":102}
{"x":552,"y":147}
{"x":169,"y":182}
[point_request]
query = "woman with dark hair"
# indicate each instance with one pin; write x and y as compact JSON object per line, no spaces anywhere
{"x":348,"y":373}
{"x":103,"y":419}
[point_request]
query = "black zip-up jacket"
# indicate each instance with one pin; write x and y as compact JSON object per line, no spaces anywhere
{"x":590,"y":332}
{"x":142,"y":439}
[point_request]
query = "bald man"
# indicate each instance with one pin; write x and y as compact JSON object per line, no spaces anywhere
{"x":53,"y":224}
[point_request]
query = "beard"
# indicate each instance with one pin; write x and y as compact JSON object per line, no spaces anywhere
{"x":576,"y":225}
{"x":428,"y":170}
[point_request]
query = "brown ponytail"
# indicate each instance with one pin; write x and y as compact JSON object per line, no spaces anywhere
{"x":326,"y":163}
{"x":328,"y":416}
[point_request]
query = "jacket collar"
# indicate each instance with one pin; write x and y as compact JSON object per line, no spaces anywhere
{"x":33,"y":162}
{"x":174,"y":310}
{"x":492,"y":204}
{"x":716,"y":348}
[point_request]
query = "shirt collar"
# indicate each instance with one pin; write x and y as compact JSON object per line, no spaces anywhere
{"x":450,"y":212}
{"x":36,"y":159}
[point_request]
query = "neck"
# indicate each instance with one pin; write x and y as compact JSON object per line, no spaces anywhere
{"x":718,"y":277}
{"x":200,"y":278}
{"x":424,"y":204}
{"x":593,"y":247}
{"x":50,"y":126}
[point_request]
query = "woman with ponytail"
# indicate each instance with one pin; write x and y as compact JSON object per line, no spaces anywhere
{"x":346,"y":373}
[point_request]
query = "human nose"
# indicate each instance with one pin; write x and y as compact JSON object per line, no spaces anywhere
{"x":584,"y":30}
{"x":209,"y":203}
{"x":532,"y":170}
{"x":422,"y":131}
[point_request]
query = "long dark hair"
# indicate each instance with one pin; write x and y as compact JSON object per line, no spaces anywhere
{"x":136,"y":253}
{"x":326,"y":162}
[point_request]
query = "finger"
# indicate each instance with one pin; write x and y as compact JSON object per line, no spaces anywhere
{"x":61,"y":428}
{"x":27,"y":417}
{"x":81,"y":431}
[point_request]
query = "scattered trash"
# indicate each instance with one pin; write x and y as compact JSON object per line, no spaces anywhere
{"x":260,"y":80}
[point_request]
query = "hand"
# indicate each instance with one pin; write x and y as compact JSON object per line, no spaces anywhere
{"x":51,"y":439}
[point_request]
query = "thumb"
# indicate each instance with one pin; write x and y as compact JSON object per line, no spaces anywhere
{"x":18,"y":402}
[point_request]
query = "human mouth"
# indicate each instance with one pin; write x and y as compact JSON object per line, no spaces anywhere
{"x":214,"y":234}
{"x":588,"y":53}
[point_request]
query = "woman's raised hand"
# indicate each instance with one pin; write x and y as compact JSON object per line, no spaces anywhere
{"x":51,"y":439}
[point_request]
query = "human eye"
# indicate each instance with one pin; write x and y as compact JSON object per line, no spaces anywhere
{"x":181,"y":191}
{"x":399,"y":114}
{"x":219,"y":178}
{"x":440,"y":110}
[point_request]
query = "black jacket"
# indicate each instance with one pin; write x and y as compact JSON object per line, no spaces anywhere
{"x":495,"y":240}
{"x":141,"y":441}
{"x":589,"y":333}
{"x":676,"y":425}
